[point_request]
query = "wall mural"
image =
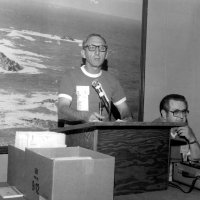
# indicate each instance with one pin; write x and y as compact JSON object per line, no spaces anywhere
{"x":39,"y":40}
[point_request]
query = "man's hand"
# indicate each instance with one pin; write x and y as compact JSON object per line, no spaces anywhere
{"x":126,"y":119}
{"x":194,"y":147}
{"x":95,"y":117}
{"x":186,"y":132}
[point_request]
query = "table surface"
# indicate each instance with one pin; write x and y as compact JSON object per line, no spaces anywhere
{"x":169,"y":194}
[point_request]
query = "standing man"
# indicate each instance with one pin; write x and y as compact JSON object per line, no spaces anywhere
{"x":86,"y":93}
{"x":174,"y":108}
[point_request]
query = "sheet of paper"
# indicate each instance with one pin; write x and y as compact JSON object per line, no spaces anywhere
{"x":42,"y":139}
{"x":10,"y":192}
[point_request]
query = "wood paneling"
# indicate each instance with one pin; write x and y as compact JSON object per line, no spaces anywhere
{"x":141,"y":151}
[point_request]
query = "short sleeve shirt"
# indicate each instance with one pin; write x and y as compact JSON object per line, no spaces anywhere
{"x":76,"y":85}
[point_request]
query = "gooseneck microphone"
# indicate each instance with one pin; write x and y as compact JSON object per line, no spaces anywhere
{"x":102,"y":95}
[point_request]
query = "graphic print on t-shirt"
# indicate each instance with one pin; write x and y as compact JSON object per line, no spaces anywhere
{"x":82,"y":93}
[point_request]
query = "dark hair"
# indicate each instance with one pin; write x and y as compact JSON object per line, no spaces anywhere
{"x":164,"y":104}
{"x":93,"y":35}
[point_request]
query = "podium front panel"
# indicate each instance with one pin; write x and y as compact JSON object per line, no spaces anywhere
{"x":141,"y":151}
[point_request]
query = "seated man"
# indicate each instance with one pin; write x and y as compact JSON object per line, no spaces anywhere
{"x":86,"y":93}
{"x":174,"y":108}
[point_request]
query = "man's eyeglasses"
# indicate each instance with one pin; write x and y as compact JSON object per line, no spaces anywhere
{"x":178,"y":113}
{"x":101,"y":48}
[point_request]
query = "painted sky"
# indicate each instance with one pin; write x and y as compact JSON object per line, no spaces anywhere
{"x":122,"y":8}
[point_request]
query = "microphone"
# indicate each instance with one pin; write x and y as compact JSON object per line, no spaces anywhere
{"x":102,"y":95}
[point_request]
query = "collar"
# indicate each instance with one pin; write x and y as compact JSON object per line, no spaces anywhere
{"x":89,"y":74}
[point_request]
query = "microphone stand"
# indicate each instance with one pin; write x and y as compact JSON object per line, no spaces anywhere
{"x":104,"y":99}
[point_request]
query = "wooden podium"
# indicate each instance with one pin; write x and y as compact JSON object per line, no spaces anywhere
{"x":141,"y":151}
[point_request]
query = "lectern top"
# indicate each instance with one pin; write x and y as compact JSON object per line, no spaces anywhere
{"x":119,"y":125}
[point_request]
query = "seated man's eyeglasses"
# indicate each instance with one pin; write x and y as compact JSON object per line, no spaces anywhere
{"x":102,"y":48}
{"x":178,"y":113}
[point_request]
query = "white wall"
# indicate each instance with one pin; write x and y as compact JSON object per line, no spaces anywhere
{"x":173,"y":56}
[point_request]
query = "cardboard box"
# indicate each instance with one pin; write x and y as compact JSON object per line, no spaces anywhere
{"x":71,"y":173}
{"x":16,"y":168}
{"x":16,"y":155}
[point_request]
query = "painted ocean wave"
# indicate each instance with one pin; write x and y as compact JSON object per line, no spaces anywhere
{"x":13,"y":46}
{"x":27,"y":105}
{"x":22,"y":109}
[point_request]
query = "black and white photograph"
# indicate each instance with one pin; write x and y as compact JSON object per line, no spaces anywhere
{"x":99,"y":99}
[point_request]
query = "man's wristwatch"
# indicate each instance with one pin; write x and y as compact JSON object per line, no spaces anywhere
{"x":193,"y":142}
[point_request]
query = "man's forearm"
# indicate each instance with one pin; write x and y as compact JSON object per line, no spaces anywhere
{"x":124,"y":111}
{"x":195,"y":151}
{"x":70,"y":114}
{"x":126,"y":115}
{"x":193,"y":145}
